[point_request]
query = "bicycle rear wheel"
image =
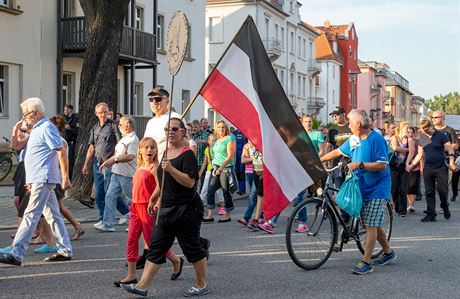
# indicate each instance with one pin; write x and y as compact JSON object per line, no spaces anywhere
{"x":388,"y":226}
{"x":309,"y":249}
{"x":5,"y":167}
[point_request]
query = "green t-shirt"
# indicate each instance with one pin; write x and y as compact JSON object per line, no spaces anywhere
{"x":219,"y":151}
{"x":316,"y":138}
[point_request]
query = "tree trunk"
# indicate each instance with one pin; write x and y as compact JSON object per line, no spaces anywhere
{"x":104,"y":25}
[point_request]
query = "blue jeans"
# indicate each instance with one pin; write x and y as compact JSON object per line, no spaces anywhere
{"x":101,"y":182}
{"x":119,"y":186}
{"x":252,"y":198}
{"x":42,"y":201}
{"x":303,"y":213}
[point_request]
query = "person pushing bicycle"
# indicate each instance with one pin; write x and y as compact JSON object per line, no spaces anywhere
{"x":369,"y":160}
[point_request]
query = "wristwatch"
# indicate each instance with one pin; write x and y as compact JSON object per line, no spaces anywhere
{"x":116,"y":160}
{"x":361,"y":165}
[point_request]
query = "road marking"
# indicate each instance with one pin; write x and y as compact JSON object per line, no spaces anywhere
{"x":55,"y":274}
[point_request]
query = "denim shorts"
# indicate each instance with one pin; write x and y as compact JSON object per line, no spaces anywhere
{"x":373,"y":212}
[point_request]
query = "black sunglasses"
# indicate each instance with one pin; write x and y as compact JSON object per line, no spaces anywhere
{"x":172,"y":129}
{"x":156,"y":99}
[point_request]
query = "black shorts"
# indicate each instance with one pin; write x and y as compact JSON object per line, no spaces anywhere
{"x":186,"y":230}
{"x":412,"y":186}
{"x":259,"y":182}
{"x":60,"y":193}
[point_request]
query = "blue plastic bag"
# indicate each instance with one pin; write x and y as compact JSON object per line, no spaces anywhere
{"x":349,"y":196}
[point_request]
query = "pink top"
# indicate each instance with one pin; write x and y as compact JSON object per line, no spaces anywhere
{"x":143,"y":185}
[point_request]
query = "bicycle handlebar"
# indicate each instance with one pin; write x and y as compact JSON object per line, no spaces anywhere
{"x":334,"y":168}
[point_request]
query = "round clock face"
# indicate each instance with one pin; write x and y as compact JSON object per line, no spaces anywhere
{"x":177,"y":40}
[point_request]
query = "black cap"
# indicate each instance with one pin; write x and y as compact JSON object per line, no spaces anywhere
{"x":337,"y":110}
{"x":158,"y":92}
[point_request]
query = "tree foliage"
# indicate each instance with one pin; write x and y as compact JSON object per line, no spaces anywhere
{"x":449,"y":103}
{"x":104,"y":26}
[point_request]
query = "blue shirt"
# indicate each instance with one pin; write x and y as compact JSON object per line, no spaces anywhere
{"x":373,"y":184}
{"x":41,"y":160}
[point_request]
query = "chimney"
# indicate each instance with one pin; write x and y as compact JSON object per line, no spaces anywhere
{"x":327,"y":23}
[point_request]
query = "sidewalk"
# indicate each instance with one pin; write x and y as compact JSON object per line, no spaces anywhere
{"x":8,"y":212}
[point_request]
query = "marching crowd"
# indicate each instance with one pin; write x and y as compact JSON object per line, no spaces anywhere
{"x":181,"y":173}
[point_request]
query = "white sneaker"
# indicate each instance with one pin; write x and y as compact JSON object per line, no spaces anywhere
{"x":123,"y":219}
{"x":98,"y":224}
{"x":105,"y":228}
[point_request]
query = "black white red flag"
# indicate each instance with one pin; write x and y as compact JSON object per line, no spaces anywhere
{"x":243,"y":88}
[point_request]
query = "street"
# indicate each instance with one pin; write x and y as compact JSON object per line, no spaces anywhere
{"x":245,"y":264}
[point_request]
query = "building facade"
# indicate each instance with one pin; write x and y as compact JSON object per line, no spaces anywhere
{"x":328,"y":54}
{"x":289,"y":42}
{"x":371,"y":92}
{"x":44,"y":56}
{"x":348,"y":45}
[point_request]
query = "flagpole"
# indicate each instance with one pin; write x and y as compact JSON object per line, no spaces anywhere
{"x":184,"y":113}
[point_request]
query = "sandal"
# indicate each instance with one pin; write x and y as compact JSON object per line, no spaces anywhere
{"x":37,"y":241}
{"x":77,"y":234}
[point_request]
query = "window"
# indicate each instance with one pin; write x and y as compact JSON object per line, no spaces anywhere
{"x":333,"y":71}
{"x":139,"y":24}
{"x":67,"y":89}
{"x":185,"y":102}
{"x":188,"y":53}
{"x":304,"y":48}
{"x":139,"y":97}
{"x":333,"y":96}
{"x":5,"y":2}
{"x":310,"y":81}
{"x":282,"y":77}
{"x":304,"y":86}
{"x":349,"y":49}
{"x":311,"y":49}
{"x":334,"y":46}
{"x":299,"y":46}
{"x":216,"y":30}
{"x":291,"y":85}
{"x":160,"y":32}
{"x":282,"y":38}
{"x":299,"y":85}
{"x":292,"y":42}
{"x":291,"y":6}
{"x":267,"y":29}
{"x":3,"y":91}
{"x":277,"y":33}
{"x":66,"y":8}
{"x":352,"y":34}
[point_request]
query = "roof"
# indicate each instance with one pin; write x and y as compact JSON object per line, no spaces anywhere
{"x":453,"y":121}
{"x":310,"y":28}
{"x":340,"y":30}
{"x":324,"y":49}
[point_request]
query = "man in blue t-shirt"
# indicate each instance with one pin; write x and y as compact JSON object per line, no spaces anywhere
{"x":369,"y":155}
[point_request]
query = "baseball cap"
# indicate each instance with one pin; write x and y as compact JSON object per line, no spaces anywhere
{"x":158,"y":92}
{"x":337,"y":110}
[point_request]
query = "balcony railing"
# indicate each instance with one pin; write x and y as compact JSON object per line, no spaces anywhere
{"x":273,"y":48}
{"x":74,"y":39}
{"x":314,"y":68}
{"x":315,"y":102}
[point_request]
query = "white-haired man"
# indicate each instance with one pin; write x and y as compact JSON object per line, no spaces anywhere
{"x":46,"y":165}
{"x":369,"y":155}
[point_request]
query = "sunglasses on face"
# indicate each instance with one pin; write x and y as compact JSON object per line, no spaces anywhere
{"x":155,"y":99}
{"x":27,"y":114}
{"x":173,"y":129}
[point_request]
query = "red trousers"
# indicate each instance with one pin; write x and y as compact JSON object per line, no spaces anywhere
{"x":140,"y":222}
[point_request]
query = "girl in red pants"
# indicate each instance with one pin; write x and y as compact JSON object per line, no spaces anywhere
{"x":140,"y":222}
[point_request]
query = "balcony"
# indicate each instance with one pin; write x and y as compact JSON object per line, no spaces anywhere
{"x":273,"y":48}
{"x":315,"y":102}
{"x":375,"y":88}
{"x":314,"y":68}
{"x":74,"y":41}
{"x":293,"y":100}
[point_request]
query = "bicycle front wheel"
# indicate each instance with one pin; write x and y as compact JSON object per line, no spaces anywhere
{"x":388,"y":226}
{"x":311,"y":233}
{"x":5,"y":167}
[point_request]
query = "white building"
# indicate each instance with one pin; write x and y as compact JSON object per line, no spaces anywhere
{"x":290,"y":43}
{"x":33,"y":61}
{"x":328,"y":81}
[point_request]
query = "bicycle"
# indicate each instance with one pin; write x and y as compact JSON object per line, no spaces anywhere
{"x":311,"y":249}
{"x":6,"y":155}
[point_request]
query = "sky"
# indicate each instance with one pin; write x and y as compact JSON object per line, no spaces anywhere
{"x":419,"y":39}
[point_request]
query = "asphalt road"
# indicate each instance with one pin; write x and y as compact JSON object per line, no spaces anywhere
{"x":246,"y":264}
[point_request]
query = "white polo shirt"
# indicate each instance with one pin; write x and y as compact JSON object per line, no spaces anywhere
{"x":126,"y":146}
{"x":155,"y":129}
